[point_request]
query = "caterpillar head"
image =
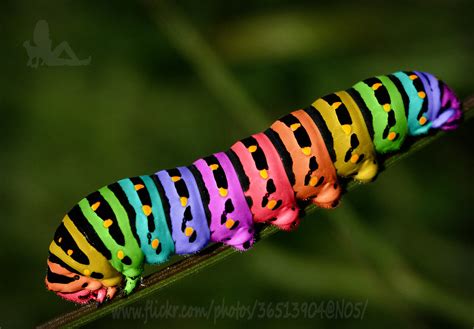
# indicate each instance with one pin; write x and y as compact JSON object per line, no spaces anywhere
{"x":444,"y":107}
{"x":76,"y":271}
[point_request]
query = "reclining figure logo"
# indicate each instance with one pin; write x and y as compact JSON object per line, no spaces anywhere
{"x":42,"y":53}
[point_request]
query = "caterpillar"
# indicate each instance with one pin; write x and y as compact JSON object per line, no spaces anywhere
{"x":104,"y":241}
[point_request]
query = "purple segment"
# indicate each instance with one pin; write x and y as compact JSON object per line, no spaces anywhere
{"x":189,"y":227}
{"x":444,"y":108}
{"x":231,"y":219}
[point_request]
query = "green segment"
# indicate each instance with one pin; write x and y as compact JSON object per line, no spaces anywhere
{"x":131,"y":247}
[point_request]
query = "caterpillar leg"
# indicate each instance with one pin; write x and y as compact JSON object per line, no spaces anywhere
{"x":130,"y":284}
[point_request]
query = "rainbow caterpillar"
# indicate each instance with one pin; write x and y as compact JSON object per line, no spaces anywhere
{"x":265,"y":178}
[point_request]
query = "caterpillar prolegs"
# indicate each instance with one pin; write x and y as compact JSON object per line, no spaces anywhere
{"x":105,"y":240}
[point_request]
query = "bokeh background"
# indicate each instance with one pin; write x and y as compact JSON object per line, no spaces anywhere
{"x":173,"y":82}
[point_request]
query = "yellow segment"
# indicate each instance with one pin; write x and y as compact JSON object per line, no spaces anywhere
{"x":376,"y":86}
{"x":188,"y":231}
{"x":95,"y":206}
{"x":108,"y":223}
{"x":391,"y":136}
{"x":155,"y":243}
{"x":271,"y":204}
{"x":336,"y":105}
{"x":306,"y":150}
{"x":364,"y":170}
{"x":120,"y":254}
{"x":69,"y":252}
{"x":347,"y":129}
{"x":423,"y":121}
{"x":413,"y":76}
{"x":252,"y":148}
{"x":184,"y":201}
{"x":222,"y":192}
{"x":354,"y":158}
{"x":295,"y":126}
{"x":214,"y":166}
{"x":386,"y":107}
{"x":264,"y":173}
{"x":138,"y":187}
{"x":421,"y":94}
{"x":174,"y":179}
{"x":313,"y":181}
{"x":97,"y":261}
{"x":146,"y":210}
{"x":229,"y":223}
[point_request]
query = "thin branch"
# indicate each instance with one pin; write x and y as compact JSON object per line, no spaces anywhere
{"x":212,"y":254}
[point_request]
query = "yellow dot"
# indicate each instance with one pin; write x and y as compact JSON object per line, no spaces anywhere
{"x":69,"y":252}
{"x":87,"y":272}
{"x":155,"y":243}
{"x":120,"y":254}
{"x":347,"y":129}
{"x":313,"y":181}
{"x":60,"y":239}
{"x":295,"y":126}
{"x":108,"y":223}
{"x":229,"y":223}
{"x":214,"y":166}
{"x":336,"y":105}
{"x":271,"y":204}
{"x":252,"y":148}
{"x":306,"y":150}
{"x":264,"y":173}
{"x":222,"y":192}
{"x":423,"y":121}
{"x":421,"y":94}
{"x":175,"y":179}
{"x":188,"y":231}
{"x":138,"y":187}
{"x":354,"y":158}
{"x":146,"y":210}
{"x":95,"y":206}
{"x":413,"y":76}
{"x":392,"y":135}
{"x":376,"y":86}
{"x":184,"y":201}
{"x":386,"y":107}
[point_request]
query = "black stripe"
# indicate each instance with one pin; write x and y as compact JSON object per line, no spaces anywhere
{"x":239,"y":169}
{"x":55,"y":259}
{"x":366,"y":113}
{"x":219,"y":174}
{"x":145,"y":199}
{"x":323,"y":129}
{"x":165,"y":203}
{"x":129,"y":209}
{"x":83,"y":225}
{"x":58,"y":278}
{"x":285,"y":156}
{"x":203,"y":192}
{"x":258,"y":156}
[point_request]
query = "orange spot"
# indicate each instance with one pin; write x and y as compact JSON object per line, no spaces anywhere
{"x":376,"y":86}
{"x":60,"y":239}
{"x":120,"y":254}
{"x":146,"y":210}
{"x":354,"y":158}
{"x":295,"y":126}
{"x":87,"y":272}
{"x":347,"y":129}
{"x":421,"y":94}
{"x":229,"y":223}
{"x":413,"y":77}
{"x":392,"y":135}
{"x":108,"y":223}
{"x":313,"y":181}
{"x":188,"y":231}
{"x":95,"y":206}
{"x":306,"y":150}
{"x":423,"y":121}
{"x":336,"y":105}
{"x":175,"y":179}
{"x":222,"y":192}
{"x":271,"y":204}
{"x":69,"y":252}
{"x":155,"y":243}
{"x":264,"y":173}
{"x":214,"y":166}
{"x":184,"y":201}
{"x":386,"y":107}
{"x":252,"y":148}
{"x":138,"y":187}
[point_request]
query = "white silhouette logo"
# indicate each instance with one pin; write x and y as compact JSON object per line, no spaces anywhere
{"x":42,"y":53}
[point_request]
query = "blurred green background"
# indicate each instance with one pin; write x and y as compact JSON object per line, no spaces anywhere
{"x":171,"y":83}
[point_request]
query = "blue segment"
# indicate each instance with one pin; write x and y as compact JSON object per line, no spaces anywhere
{"x":414,"y":107}
{"x":166,"y":246}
